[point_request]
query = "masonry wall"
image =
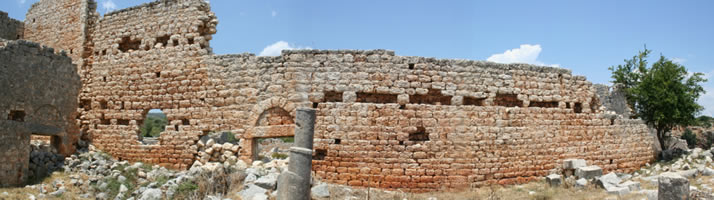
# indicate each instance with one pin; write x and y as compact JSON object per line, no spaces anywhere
{"x":39,"y":97}
{"x":61,"y":24}
{"x":424,"y":124}
{"x":413,"y":123}
{"x":10,"y":29}
{"x":151,"y":57}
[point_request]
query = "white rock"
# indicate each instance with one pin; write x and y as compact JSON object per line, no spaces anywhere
{"x":151,"y":194}
{"x":320,"y":190}
{"x":210,"y":143}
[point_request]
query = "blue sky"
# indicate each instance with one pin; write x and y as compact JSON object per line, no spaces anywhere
{"x":586,"y":37}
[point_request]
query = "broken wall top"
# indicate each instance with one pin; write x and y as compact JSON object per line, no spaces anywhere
{"x":10,"y":29}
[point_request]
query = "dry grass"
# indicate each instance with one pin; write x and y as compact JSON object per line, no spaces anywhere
{"x":537,"y":190}
{"x":22,"y":192}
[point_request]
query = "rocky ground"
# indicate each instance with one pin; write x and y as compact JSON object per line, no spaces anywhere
{"x":91,"y":174}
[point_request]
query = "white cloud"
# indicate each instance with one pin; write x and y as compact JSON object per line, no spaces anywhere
{"x":526,"y":53}
{"x":108,"y":5}
{"x":679,"y":60}
{"x":275,"y":48}
{"x":707,"y":101}
{"x":274,"y":13}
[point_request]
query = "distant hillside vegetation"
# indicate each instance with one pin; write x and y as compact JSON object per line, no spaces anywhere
{"x":154,"y":124}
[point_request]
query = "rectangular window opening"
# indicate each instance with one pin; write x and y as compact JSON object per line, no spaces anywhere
{"x":338,"y":141}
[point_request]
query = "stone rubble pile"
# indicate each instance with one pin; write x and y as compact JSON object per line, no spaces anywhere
{"x":102,"y":177}
{"x":211,"y":151}
{"x":672,"y":180}
{"x":43,"y":160}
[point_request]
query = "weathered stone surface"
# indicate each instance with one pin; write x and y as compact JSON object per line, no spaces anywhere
{"x":10,"y":29}
{"x":554,"y":180}
{"x":151,"y":194}
{"x":401,"y":110}
{"x":672,"y":186}
{"x":321,"y":191}
{"x":588,"y":172}
{"x":39,"y":89}
{"x":574,"y":163}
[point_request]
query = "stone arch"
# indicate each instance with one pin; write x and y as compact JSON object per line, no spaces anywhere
{"x":271,"y":103}
{"x":273,"y":117}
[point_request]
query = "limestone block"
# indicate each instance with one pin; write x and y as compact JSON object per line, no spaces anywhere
{"x":588,"y":172}
{"x":672,"y":186}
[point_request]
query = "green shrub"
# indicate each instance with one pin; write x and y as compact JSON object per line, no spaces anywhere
{"x":710,"y":140}
{"x":690,"y":137}
{"x":279,"y":155}
{"x":231,"y":137}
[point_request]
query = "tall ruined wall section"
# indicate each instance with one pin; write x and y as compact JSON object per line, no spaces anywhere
{"x":425,"y":124}
{"x":39,"y":97}
{"x":10,"y":29}
{"x":151,"y":57}
{"x":61,"y":24}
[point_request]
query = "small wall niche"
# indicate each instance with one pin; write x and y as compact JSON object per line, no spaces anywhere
{"x":544,"y":104}
{"x":363,"y":97}
{"x":508,"y":100}
{"x":332,"y":96}
{"x":578,"y":108}
{"x":127,"y":44}
{"x":419,"y":135}
{"x":472,"y":101}
{"x":16,"y":115}
{"x":433,"y":97}
{"x":320,"y":154}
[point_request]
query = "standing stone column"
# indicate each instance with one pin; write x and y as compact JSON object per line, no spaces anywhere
{"x":294,"y":184}
{"x":672,"y":186}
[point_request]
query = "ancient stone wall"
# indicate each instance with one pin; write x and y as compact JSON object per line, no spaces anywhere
{"x":426,"y":124}
{"x":61,"y":24}
{"x":413,"y":123}
{"x":151,"y":57}
{"x":39,"y":97}
{"x":10,"y":29}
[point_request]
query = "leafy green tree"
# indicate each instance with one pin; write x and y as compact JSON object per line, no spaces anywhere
{"x":664,"y":95}
{"x":630,"y":74}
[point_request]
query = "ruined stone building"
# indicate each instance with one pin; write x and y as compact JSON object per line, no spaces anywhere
{"x":383,"y":120}
{"x":38,"y":97}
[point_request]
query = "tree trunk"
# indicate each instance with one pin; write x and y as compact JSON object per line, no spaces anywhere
{"x":660,"y":137}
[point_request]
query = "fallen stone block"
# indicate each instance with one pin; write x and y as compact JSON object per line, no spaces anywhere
{"x":574,"y":163}
{"x":321,"y":190}
{"x":672,"y":186}
{"x":581,"y":182}
{"x":554,"y":180}
{"x":251,"y":191}
{"x":588,"y":172}
{"x":633,"y":186}
{"x":608,"y":180}
{"x":688,"y":173}
{"x":617,"y":190}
